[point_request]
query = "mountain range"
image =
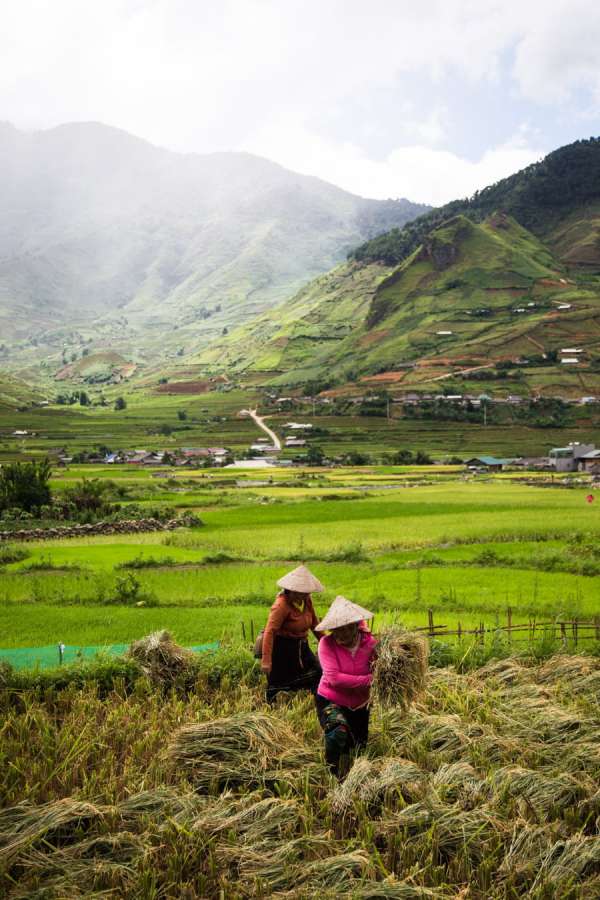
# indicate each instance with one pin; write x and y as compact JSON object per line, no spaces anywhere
{"x":501,"y":286}
{"x":108,"y":240}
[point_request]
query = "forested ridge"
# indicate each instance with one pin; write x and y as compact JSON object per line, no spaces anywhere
{"x":536,"y":196}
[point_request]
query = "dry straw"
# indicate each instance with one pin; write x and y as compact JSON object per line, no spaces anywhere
{"x":250,"y":819}
{"x":400,"y":669}
{"x":542,"y":792}
{"x":160,"y":658}
{"x":241,"y":749}
{"x":22,"y":826}
{"x":371,"y":781}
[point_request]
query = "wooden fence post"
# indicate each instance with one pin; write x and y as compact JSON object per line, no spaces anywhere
{"x":597,"y":627}
{"x":244,"y":632}
{"x":459,"y":632}
{"x":563,"y":633}
{"x":251,"y":630}
{"x":431,"y":626}
{"x":509,"y":617}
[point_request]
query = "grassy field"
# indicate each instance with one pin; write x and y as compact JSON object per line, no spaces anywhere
{"x":466,"y":550}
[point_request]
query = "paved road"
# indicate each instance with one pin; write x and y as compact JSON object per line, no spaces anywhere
{"x":261,"y":424}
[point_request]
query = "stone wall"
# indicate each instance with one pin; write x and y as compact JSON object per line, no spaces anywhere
{"x":125,"y":526}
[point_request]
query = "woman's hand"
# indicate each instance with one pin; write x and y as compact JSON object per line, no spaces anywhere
{"x":266,"y":668}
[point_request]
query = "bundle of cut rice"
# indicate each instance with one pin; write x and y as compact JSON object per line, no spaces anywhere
{"x":160,"y":658}
{"x":542,"y":792}
{"x":459,"y":782}
{"x":369,"y":781}
{"x":241,"y":749}
{"x":400,"y":668}
{"x":249,"y":819}
{"x":24,"y":825}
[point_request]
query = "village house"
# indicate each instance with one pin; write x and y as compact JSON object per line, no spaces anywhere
{"x":569,"y":458}
{"x":491,"y":463}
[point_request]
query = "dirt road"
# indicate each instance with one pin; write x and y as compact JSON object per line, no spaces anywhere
{"x":261,"y":424}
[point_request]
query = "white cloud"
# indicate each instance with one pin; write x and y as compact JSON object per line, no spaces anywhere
{"x":254,"y":73}
{"x":419,"y":172}
{"x":561,"y":54}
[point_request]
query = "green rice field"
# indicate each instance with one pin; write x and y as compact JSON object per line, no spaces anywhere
{"x":398,"y":541}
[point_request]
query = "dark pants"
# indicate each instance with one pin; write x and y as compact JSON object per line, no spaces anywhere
{"x":346,"y":730}
{"x":294,"y":667}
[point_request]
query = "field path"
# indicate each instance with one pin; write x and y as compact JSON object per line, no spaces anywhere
{"x":261,"y":424}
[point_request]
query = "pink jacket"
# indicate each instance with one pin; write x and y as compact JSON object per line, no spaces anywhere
{"x":346,"y":679}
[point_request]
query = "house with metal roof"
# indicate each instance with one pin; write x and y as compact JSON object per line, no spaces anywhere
{"x":567,"y":459}
{"x":487,"y":462}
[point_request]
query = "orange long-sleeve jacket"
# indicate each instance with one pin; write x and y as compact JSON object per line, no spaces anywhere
{"x":288,"y":621}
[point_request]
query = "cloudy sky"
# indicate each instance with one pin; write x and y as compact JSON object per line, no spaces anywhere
{"x":386,"y":98}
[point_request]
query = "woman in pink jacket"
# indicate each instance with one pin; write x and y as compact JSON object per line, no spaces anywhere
{"x":346,"y":656}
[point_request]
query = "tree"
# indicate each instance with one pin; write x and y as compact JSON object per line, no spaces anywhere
{"x":315,"y":456}
{"x":403,"y":458}
{"x":25,"y":485}
{"x":120,"y":403}
{"x":423,"y":459}
{"x":84,"y":400}
{"x":181,"y":415}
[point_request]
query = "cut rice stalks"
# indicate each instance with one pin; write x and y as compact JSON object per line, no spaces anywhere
{"x":240,"y":749}
{"x":400,"y":668}
{"x":160,"y":658}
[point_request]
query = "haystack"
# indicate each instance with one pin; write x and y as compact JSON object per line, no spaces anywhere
{"x":246,"y":748}
{"x":160,"y":658}
{"x":401,"y":667}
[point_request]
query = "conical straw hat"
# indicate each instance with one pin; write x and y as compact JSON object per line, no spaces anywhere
{"x":343,"y":612}
{"x":301,"y":580}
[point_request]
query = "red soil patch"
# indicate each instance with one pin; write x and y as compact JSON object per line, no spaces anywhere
{"x":549,"y":282}
{"x":185,"y":387}
{"x":373,"y":338}
{"x":387,"y":376}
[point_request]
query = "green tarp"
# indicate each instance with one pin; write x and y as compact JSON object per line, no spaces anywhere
{"x":49,"y":657}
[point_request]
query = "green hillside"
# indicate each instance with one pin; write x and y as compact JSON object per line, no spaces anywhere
{"x":557,"y":199}
{"x":483,"y":303}
{"x":15,"y":393}
{"x":110,"y":243}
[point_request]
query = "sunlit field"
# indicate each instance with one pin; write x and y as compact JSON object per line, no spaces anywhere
{"x":465,"y":550}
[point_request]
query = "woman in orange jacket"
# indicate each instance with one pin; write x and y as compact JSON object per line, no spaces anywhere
{"x":287,"y":660}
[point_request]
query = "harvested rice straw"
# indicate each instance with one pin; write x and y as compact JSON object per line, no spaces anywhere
{"x":160,"y":658}
{"x":338,"y":874}
{"x":570,"y":860}
{"x":244,"y":748}
{"x":21,"y":826}
{"x":400,"y":775}
{"x":274,"y":864}
{"x":541,"y":791}
{"x":355,"y":786}
{"x":400,"y":668}
{"x":528,"y":847}
{"x":162,"y":802}
{"x":505,"y":671}
{"x":368,"y":781}
{"x":115,"y":850}
{"x":474,"y":833}
{"x":390,"y":889}
{"x":250,"y":818}
{"x":459,"y":782}
{"x":566,"y":668}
